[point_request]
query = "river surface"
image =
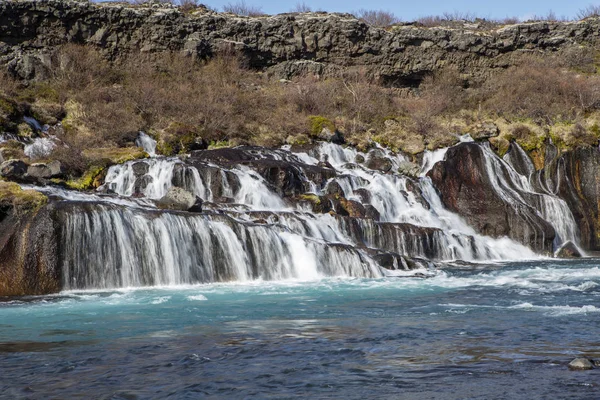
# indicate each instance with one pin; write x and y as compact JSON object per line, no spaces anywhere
{"x":501,"y":331}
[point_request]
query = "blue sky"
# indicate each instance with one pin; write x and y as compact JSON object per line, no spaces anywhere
{"x":410,"y":10}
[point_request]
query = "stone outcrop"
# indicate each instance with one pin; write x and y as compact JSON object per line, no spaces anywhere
{"x":466,"y":189}
{"x":285,"y":44}
{"x":29,"y":253}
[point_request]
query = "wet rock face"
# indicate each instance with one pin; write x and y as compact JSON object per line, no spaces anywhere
{"x":177,"y":199}
{"x":576,"y":173}
{"x":29,"y":254}
{"x":286,"y":44}
{"x":466,"y":189}
{"x":287,"y":175}
{"x":568,"y":250}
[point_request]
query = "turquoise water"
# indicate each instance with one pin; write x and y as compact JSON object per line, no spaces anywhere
{"x":496,"y":331}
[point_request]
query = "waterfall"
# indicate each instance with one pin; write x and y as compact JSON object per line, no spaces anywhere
{"x":147,"y":143}
{"x":250,"y":187}
{"x":250,"y":231}
{"x":402,"y":200}
{"x":146,"y":248}
{"x":516,"y":189}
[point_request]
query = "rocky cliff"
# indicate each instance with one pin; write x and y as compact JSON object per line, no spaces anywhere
{"x":285,"y":44}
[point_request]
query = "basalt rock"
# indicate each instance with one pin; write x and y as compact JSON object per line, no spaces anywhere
{"x":575,"y":177}
{"x":14,"y":169}
{"x":177,"y":199}
{"x":44,"y":171}
{"x":465,"y":188}
{"x":29,"y":253}
{"x":285,"y":45}
{"x":378,"y":162}
{"x":568,"y":250}
{"x":287,"y":175}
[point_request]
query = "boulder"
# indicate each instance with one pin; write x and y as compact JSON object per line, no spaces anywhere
{"x":141,"y":184}
{"x":581,"y":364}
{"x":379,"y":163}
{"x":177,"y":199}
{"x":568,"y":250}
{"x":13,"y":169}
{"x":371,"y":212}
{"x":409,"y":169}
{"x":44,"y":171}
{"x":484,"y":130}
{"x":335,"y":137}
{"x":140,"y":168}
{"x":334,"y":188}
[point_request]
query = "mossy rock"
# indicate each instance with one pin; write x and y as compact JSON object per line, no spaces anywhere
{"x":13,"y":196}
{"x":568,"y":136}
{"x":500,"y":145}
{"x":298,"y":140}
{"x":318,"y":123}
{"x":219,"y":144}
{"x":114,"y":155}
{"x":25,"y":131}
{"x":177,"y":138}
{"x":91,"y":179}
{"x":442,"y":140}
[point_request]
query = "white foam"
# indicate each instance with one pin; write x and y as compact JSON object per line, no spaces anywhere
{"x":198,"y":297}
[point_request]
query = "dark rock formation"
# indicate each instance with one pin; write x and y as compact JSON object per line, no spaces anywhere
{"x":568,"y":250}
{"x":29,"y":253}
{"x":575,"y":175}
{"x":13,"y":169}
{"x":287,"y":175}
{"x":285,"y":44}
{"x":466,"y":189}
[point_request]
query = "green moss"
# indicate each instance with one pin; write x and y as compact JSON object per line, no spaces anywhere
{"x":313,"y":198}
{"x":39,"y":90}
{"x":12,"y":195}
{"x":177,"y":138}
{"x":91,"y":179}
{"x":7,"y":107}
{"x":318,"y":123}
{"x":298,"y":140}
{"x":595,"y":130}
{"x":218,"y":144}
{"x":385,"y":141}
{"x":114,"y":155}
{"x":500,"y":145}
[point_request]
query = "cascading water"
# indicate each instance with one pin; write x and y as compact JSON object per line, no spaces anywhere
{"x":147,"y":143}
{"x":516,"y":189}
{"x":147,"y":248}
{"x":252,"y":232}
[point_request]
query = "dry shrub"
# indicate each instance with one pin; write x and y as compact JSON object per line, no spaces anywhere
{"x":241,"y":8}
{"x":541,"y":92}
{"x":377,"y":18}
{"x":589,"y":12}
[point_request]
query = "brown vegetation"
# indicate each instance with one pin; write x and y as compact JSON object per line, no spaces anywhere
{"x":180,"y":101}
